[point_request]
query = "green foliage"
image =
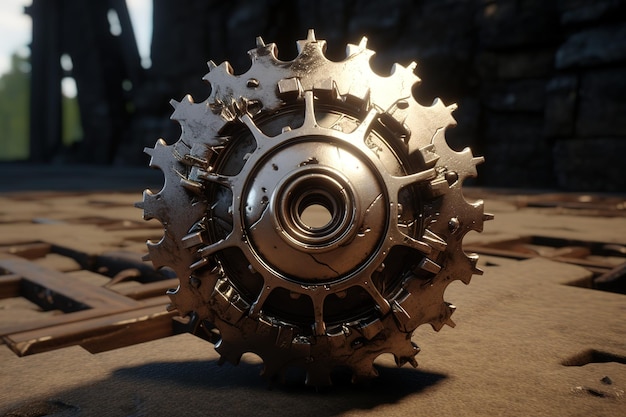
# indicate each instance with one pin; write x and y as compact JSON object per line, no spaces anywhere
{"x":14,"y":99}
{"x":72,"y":129}
{"x":14,"y":113}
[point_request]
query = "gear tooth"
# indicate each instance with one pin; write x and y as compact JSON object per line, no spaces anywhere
{"x":199,"y":264}
{"x":439,"y":106}
{"x":227,"y":68}
{"x":429,"y":155}
{"x":193,"y":239}
{"x":364,"y":374}
{"x":310,"y":38}
{"x":401,"y":361}
{"x":363,"y":43}
{"x":146,"y":257}
{"x":160,"y":143}
{"x":352,"y":49}
{"x":371,"y":329}
{"x":396,"y":69}
{"x":259,"y":42}
{"x":437,"y":325}
{"x":212,"y":65}
{"x":156,"y":254}
{"x":273,"y":50}
{"x":488,"y":216}
{"x":400,"y":69}
{"x":478,"y":160}
{"x":467,"y":278}
{"x":289,"y":87}
{"x":272,"y":370}
{"x":228,"y":352}
{"x":188,"y":99}
{"x":451,"y":310}
{"x":405,"y":353}
{"x":429,"y":265}
{"x":473,"y":259}
{"x":150,"y":200}
{"x":180,"y":106}
{"x":317,"y":376}
{"x":194,"y":186}
{"x":438,"y":187}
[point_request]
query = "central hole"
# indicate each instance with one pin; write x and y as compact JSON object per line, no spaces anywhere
{"x":316,"y":216}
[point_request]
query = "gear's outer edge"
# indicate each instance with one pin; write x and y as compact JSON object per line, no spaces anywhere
{"x":181,"y":206}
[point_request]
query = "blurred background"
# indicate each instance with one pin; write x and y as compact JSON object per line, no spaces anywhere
{"x":540,"y":84}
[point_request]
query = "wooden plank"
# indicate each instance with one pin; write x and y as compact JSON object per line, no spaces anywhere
{"x":151,"y":289}
{"x":55,"y":282}
{"x":10,"y":286}
{"x":28,"y":250}
{"x":80,"y":316}
{"x":114,"y":262}
{"x":96,"y":334}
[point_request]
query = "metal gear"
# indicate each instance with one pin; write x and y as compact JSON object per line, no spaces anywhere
{"x":313,"y":211}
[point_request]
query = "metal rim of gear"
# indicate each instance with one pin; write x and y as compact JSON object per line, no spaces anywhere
{"x":284,"y":136}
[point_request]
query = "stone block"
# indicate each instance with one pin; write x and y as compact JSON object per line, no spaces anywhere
{"x":602,"y":103}
{"x":583,"y":11}
{"x":516,"y":96}
{"x":590,"y":164}
{"x":505,"y":65}
{"x":517,"y":154}
{"x":560,"y":106}
{"x":593,"y":47}
{"x":526,"y":64}
{"x":510,"y":23}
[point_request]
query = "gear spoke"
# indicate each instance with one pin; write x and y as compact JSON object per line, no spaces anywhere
{"x":209,"y":250}
{"x":396,"y":183}
{"x":381,"y":302}
{"x":319,"y":327}
{"x":257,"y":305}
{"x":399,"y":238}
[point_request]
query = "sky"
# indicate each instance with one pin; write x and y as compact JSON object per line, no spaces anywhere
{"x":15,"y":31}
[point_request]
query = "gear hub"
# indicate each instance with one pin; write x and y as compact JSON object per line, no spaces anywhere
{"x":313,"y":211}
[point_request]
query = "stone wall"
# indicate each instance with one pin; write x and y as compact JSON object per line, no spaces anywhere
{"x":541,"y":85}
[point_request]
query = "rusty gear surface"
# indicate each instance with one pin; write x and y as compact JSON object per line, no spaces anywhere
{"x":313,"y":211}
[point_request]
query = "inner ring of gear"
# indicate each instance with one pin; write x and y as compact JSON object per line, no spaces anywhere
{"x":285,"y":136}
{"x":307,"y":188}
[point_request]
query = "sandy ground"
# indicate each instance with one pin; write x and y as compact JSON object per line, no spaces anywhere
{"x":526,"y":342}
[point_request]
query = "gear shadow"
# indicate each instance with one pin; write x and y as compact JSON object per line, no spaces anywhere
{"x":201,"y":388}
{"x":244,"y":392}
